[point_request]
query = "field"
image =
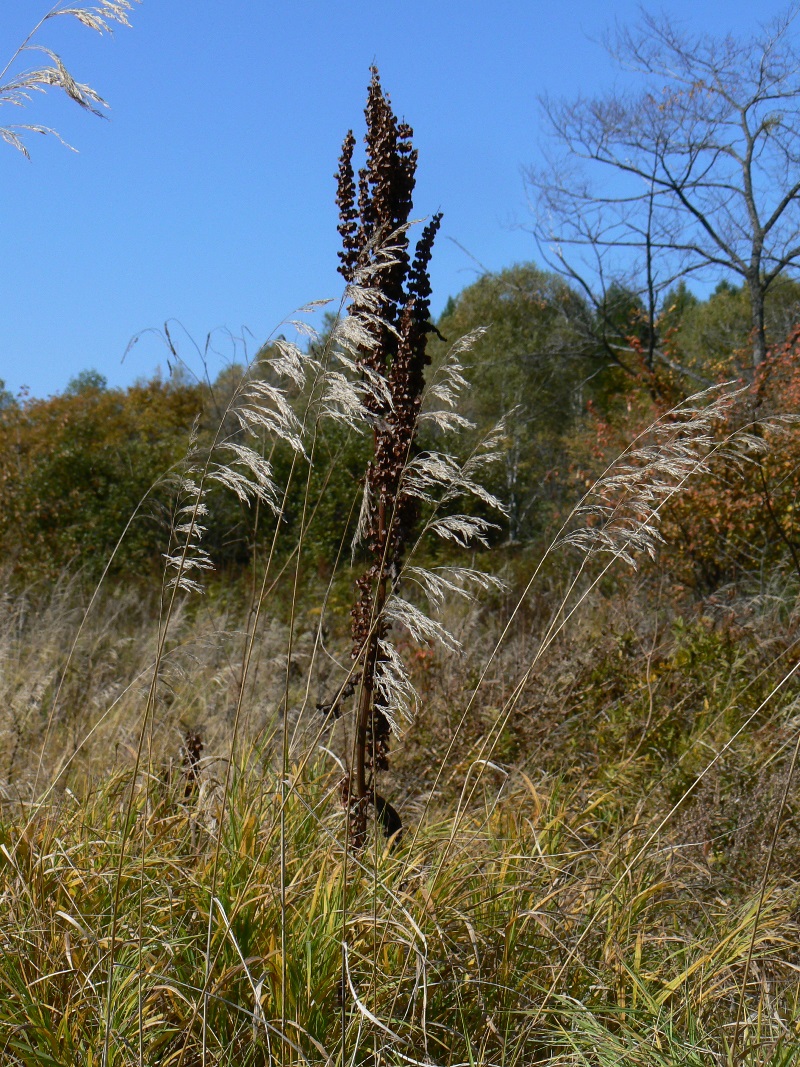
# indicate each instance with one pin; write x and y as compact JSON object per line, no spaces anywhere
{"x":412,"y":692}
{"x":598,"y":858}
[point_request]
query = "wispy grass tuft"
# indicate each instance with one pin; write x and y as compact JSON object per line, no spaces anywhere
{"x":18,"y":86}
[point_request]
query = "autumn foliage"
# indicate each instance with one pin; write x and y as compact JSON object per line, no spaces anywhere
{"x":738,"y":522}
{"x":74,"y":468}
{"x":733,"y":524}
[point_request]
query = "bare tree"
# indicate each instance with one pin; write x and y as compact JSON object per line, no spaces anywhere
{"x":695,"y":174}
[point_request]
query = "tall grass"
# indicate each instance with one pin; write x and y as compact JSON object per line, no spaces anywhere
{"x":539,"y":909}
{"x":525,"y":935}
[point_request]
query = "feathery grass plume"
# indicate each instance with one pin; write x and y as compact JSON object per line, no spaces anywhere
{"x":186,"y":552}
{"x":17,"y":89}
{"x":259,"y":409}
{"x":621,"y":512}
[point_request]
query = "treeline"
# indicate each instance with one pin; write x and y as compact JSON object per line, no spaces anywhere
{"x":93,"y":476}
{"x":573,"y":385}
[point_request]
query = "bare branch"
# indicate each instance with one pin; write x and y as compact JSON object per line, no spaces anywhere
{"x":693,"y":173}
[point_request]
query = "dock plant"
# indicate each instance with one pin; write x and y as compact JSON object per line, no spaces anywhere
{"x":400,"y":477}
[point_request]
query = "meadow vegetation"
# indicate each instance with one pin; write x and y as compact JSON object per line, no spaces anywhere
{"x":412,"y":692}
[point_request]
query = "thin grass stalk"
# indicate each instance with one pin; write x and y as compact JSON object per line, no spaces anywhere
{"x":126,"y":826}
{"x":301,"y":767}
{"x":318,"y":637}
{"x":285,"y":741}
{"x":761,"y":896}
{"x":250,"y":642}
{"x":251,"y":637}
{"x":74,"y":645}
{"x":609,"y":895}
{"x":21,"y":48}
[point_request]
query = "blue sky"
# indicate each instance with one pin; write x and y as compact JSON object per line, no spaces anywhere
{"x":208,"y":198}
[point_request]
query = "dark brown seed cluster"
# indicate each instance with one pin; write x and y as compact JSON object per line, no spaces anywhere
{"x":192,"y":751}
{"x":399,"y":334}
